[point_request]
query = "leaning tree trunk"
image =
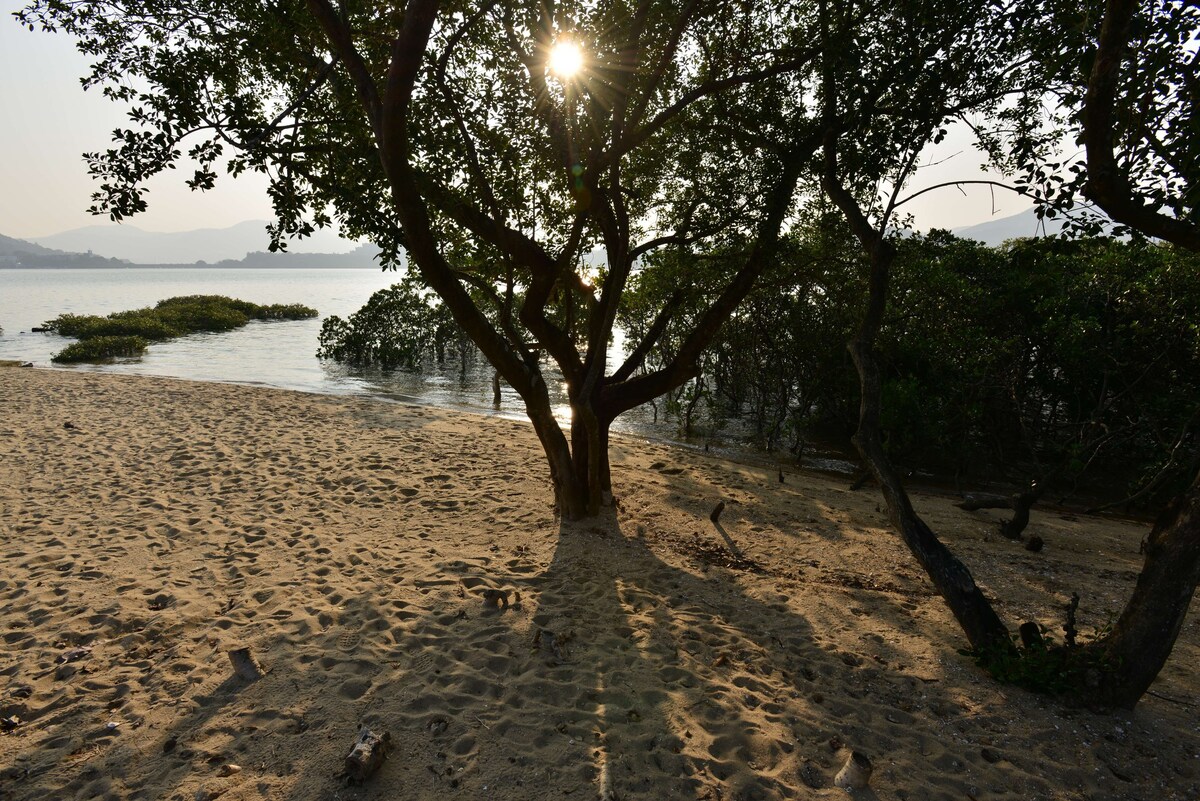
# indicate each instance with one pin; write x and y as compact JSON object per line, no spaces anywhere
{"x":979,"y":621}
{"x":1131,"y":656}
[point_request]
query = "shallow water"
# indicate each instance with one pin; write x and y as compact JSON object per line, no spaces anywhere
{"x":274,"y":354}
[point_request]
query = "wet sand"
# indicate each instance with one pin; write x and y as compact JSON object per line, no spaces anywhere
{"x":651,"y":654}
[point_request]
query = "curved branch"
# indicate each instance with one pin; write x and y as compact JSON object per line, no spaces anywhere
{"x":1107,"y":185}
{"x":915,"y":195}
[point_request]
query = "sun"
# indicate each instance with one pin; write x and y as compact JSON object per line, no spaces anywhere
{"x":566,"y":59}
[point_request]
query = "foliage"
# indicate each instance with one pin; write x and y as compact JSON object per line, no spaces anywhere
{"x":173,"y":317}
{"x":396,"y":328}
{"x":524,"y":199}
{"x":778,"y":366}
{"x":1046,"y":667}
{"x":1144,"y":141}
{"x":141,"y":322}
{"x":1073,"y":359}
{"x":101,"y":349}
{"x":1077,"y":362}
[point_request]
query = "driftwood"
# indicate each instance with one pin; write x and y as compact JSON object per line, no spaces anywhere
{"x":498,"y":599}
{"x":856,"y":773}
{"x":367,"y":755}
{"x":245,"y":665}
{"x":973,"y":501}
{"x":1021,"y":504}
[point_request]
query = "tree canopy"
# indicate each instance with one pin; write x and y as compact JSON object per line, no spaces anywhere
{"x":440,"y":130}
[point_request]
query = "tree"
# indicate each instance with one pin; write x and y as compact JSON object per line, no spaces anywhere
{"x":888,"y":88}
{"x":1122,"y":104}
{"x":439,"y":129}
{"x":1140,"y":129}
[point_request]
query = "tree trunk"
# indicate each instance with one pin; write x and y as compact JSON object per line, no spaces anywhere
{"x":979,"y":621}
{"x":1022,"y":504}
{"x":951,"y":578}
{"x":1132,"y":655}
{"x":589,"y":454}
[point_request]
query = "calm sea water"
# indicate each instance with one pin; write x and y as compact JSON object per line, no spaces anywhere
{"x":275,"y":354}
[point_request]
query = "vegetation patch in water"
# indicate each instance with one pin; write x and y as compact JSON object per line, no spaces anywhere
{"x":100,"y":349}
{"x":128,"y":333}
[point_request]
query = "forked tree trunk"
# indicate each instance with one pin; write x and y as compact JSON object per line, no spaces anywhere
{"x":579,"y":469}
{"x":1131,"y":656}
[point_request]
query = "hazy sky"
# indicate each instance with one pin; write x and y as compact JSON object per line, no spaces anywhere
{"x":47,"y":121}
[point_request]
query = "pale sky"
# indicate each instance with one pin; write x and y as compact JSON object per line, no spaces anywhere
{"x":47,"y":121}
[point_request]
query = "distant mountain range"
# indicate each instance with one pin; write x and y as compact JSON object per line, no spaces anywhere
{"x":19,"y":253}
{"x":999,"y":231}
{"x":184,"y":247}
{"x":206,"y":247}
{"x":242,"y":245}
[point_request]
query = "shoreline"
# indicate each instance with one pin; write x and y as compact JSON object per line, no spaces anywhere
{"x":733,"y":451}
{"x":347,"y":543}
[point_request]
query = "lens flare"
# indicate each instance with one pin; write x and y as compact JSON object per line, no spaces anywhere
{"x":566,"y":59}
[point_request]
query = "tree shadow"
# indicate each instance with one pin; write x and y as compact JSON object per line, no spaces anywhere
{"x":616,"y":675}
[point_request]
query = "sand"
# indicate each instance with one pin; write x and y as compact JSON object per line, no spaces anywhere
{"x":347,"y":542}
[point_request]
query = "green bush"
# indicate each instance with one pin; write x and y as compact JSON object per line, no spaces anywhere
{"x":203,"y":317}
{"x":101,"y":349}
{"x":397,"y":328}
{"x":220,"y":306}
{"x":285,"y":311}
{"x":137,"y":323}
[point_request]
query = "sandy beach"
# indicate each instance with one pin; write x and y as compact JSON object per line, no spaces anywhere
{"x":647,"y":655}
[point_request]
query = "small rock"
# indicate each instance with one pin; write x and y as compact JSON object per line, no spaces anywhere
{"x":1035,"y":544}
{"x":74,"y":655}
{"x":990,"y":755}
{"x":229,"y":770}
{"x":853,"y":660}
{"x":65,"y":672}
{"x":169,"y":745}
{"x":9,"y":723}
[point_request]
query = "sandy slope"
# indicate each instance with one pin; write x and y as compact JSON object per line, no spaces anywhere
{"x":346,"y":543}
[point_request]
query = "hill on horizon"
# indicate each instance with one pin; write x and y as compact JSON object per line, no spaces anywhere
{"x":184,"y":247}
{"x":1016,"y":226}
{"x":12,"y":247}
